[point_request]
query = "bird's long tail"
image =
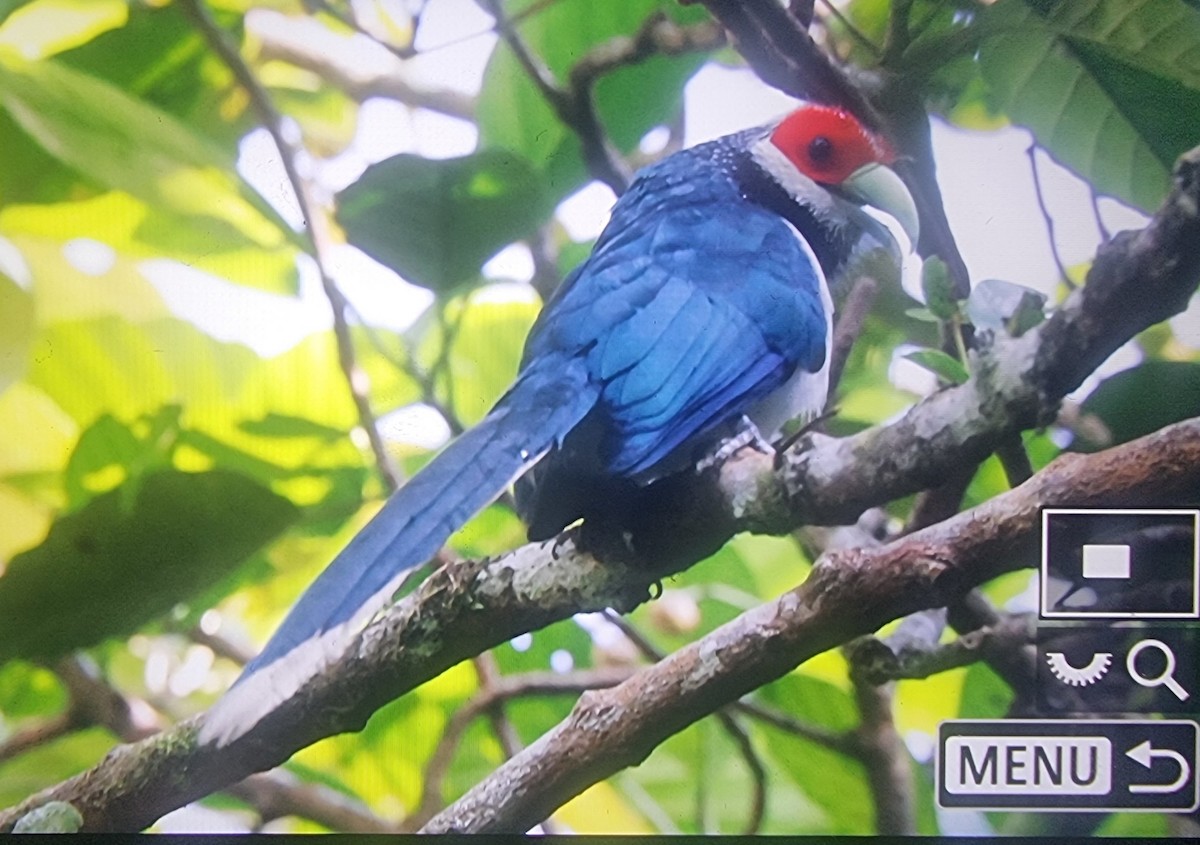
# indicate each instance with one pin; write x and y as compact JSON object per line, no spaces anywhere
{"x":546,"y":402}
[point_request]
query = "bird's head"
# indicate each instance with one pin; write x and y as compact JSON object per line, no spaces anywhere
{"x":826,"y":160}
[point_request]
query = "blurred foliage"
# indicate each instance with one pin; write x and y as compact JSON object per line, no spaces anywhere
{"x":178,"y":430}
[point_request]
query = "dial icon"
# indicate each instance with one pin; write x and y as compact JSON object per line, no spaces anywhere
{"x":1096,"y":669}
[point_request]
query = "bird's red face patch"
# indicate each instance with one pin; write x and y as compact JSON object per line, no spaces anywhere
{"x":827,"y":144}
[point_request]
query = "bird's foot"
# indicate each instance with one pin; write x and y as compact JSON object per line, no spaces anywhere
{"x":747,"y":435}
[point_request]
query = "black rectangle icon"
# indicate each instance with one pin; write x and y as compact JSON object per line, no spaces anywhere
{"x":1120,"y":564}
{"x":1067,"y":765}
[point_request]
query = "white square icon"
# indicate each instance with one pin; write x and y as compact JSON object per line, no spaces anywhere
{"x":1105,"y":561}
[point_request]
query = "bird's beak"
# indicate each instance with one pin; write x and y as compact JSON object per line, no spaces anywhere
{"x":879,"y":187}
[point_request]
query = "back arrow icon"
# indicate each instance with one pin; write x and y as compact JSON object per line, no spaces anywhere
{"x":1145,"y":753}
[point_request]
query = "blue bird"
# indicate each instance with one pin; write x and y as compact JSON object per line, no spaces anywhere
{"x":703,"y":309}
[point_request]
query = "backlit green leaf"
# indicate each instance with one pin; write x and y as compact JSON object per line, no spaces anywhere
{"x":16,"y":330}
{"x":124,"y":143}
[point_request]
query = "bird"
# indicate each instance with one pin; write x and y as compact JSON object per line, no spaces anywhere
{"x":703,"y":311}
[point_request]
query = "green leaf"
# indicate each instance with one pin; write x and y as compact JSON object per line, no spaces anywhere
{"x":134,"y":230}
{"x":436,"y":222}
{"x":923,"y":315}
{"x":112,"y":566}
{"x":51,"y":817}
{"x":16,"y":330}
{"x":1110,"y":87}
{"x":284,"y":425}
{"x":51,"y":762}
{"x":109,"y":453}
{"x":940,"y":364}
{"x":127,"y":144}
{"x":938,"y":289}
{"x":985,"y":694}
{"x":28,"y":690}
{"x":834,"y":782}
{"x":1003,"y":306}
{"x":7,"y":7}
{"x":1142,"y":400}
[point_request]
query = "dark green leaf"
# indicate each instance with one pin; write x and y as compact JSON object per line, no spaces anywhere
{"x":940,"y":364}
{"x":282,"y":425}
{"x":107,"y":569}
{"x":106,"y":444}
{"x":1143,"y":399}
{"x":1110,"y":87}
{"x":436,"y":222}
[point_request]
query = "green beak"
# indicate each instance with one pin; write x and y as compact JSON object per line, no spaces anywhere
{"x":880,"y":187}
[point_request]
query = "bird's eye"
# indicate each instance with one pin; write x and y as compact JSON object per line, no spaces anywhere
{"x":820,"y":150}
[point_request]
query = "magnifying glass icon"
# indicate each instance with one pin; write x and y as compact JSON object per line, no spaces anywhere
{"x":1164,"y":679}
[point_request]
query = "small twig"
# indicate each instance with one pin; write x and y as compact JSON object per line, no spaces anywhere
{"x":850,"y":320}
{"x":1017,"y":665}
{"x":502,"y":727}
{"x":502,"y":690}
{"x":40,"y":733}
{"x":400,"y":51}
{"x":877,"y":662}
{"x":1047,"y":218}
{"x":898,"y":37}
{"x":885,"y":760}
{"x":577,"y":112}
{"x":441,"y":365}
{"x":221,"y":646}
{"x":317,"y":228}
{"x":785,"y":55}
{"x":1015,"y":460}
{"x":1105,"y":234}
{"x":941,"y":502}
{"x":857,"y":34}
{"x":278,"y":794}
{"x":303,"y":43}
{"x":843,"y":743}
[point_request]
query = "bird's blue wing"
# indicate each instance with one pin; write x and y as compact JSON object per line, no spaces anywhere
{"x":698,"y":307}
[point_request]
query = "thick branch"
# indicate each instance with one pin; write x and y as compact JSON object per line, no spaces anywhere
{"x":777,"y":44}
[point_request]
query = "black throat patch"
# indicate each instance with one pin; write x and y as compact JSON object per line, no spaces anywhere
{"x":829,"y":243}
